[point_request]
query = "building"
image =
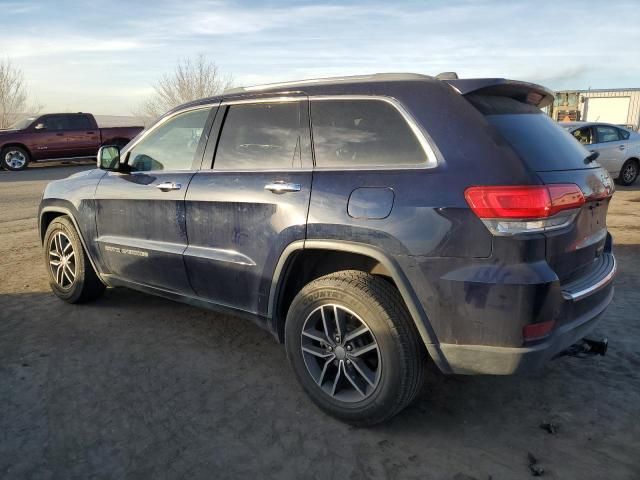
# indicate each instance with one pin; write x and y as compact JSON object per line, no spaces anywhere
{"x":618,"y":106}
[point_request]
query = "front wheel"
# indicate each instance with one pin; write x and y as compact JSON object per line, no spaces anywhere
{"x":71,"y":274}
{"x":14,"y":158}
{"x":629,"y":172}
{"x":354,"y":348}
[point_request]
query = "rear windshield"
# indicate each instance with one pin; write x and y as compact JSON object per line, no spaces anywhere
{"x":541,"y":143}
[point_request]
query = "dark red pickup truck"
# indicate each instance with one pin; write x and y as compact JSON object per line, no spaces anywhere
{"x":57,"y":136}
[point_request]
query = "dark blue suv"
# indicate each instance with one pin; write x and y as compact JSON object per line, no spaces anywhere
{"x":370,"y":223}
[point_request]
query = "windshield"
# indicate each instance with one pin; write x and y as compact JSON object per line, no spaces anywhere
{"x":22,"y":124}
{"x":537,"y":139}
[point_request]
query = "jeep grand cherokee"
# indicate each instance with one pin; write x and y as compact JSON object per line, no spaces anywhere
{"x":369,"y":223}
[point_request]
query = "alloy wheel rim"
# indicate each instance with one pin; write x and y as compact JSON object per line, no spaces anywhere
{"x":62,"y":260}
{"x":15,"y":159}
{"x":341,"y":353}
{"x":629,"y":173}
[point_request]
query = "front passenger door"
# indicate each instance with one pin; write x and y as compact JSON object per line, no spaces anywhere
{"x":50,"y":140}
{"x":140,"y":214}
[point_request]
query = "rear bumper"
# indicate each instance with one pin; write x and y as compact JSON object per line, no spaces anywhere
{"x":483,"y":359}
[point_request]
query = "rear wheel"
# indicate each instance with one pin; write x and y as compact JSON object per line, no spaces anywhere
{"x":14,"y":158}
{"x":354,"y":348}
{"x":629,"y":172}
{"x":71,"y":275}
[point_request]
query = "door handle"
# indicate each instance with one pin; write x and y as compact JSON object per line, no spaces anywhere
{"x":167,"y":186}
{"x":621,"y":147}
{"x":90,"y":133}
{"x":282,"y":187}
{"x":60,"y":134}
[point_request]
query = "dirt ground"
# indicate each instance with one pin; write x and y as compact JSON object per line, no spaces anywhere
{"x":134,"y":386}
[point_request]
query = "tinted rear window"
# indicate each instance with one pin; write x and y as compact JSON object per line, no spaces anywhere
{"x":79,"y":122}
{"x":260,"y":136}
{"x":541,"y":143}
{"x":362,"y":133}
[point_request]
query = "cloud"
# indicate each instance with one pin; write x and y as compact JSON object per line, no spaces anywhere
{"x":63,"y":45}
{"x":32,"y":46}
{"x":18,"y":8}
{"x":221,"y":18}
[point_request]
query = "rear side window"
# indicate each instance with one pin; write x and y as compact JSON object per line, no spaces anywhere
{"x":260,"y":136}
{"x":539,"y":141}
{"x":362,"y":133}
{"x":79,"y":122}
{"x":607,"y":134}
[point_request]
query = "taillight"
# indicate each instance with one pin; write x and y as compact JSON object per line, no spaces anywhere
{"x":507,"y":210}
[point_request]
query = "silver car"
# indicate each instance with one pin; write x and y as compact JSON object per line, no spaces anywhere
{"x":618,"y":147}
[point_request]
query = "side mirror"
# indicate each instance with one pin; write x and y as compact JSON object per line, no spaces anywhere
{"x":109,"y":158}
{"x":40,"y":126}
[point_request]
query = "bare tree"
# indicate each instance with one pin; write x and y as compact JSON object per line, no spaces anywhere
{"x":13,"y":93}
{"x":192,"y":79}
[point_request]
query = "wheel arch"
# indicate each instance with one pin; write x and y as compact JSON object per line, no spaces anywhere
{"x":19,"y":145}
{"x":49,"y":213}
{"x":337,"y":251}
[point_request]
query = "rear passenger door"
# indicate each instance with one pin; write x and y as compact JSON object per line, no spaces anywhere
{"x":611,"y":147}
{"x":246,"y":206}
{"x":82,"y":137}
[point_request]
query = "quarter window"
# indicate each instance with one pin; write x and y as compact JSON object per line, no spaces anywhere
{"x":171,"y":146}
{"x":624,"y":134}
{"x":260,"y":136}
{"x":362,"y":133}
{"x":607,"y":134}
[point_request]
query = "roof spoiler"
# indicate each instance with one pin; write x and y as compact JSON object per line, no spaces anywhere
{"x":525,"y":92}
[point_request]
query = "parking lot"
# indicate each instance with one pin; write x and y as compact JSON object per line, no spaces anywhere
{"x":134,"y":386}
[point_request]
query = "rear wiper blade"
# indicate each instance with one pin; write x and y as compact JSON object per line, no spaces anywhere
{"x":592,"y":157}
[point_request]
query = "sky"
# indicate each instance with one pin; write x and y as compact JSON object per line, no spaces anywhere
{"x":104,"y":56}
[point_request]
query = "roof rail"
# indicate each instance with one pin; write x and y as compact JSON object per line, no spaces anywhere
{"x":375,"y":77}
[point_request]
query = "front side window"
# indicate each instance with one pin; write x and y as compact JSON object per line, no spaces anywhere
{"x":56,"y":122}
{"x":260,"y":136}
{"x":172,"y":145}
{"x":583,"y":135}
{"x":362,"y":133}
{"x":607,"y":134}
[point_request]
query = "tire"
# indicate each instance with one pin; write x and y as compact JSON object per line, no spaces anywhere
{"x":71,"y":275}
{"x":14,"y":158}
{"x":395,"y":367}
{"x":629,"y":172}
